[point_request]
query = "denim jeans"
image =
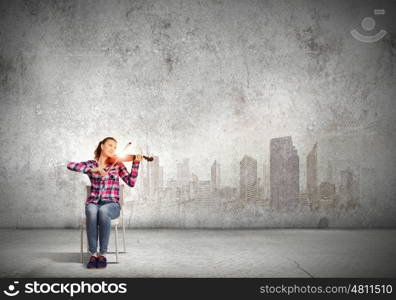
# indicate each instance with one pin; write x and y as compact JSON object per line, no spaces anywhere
{"x":98,"y":223}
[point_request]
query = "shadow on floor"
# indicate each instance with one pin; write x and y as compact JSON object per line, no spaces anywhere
{"x":74,"y":257}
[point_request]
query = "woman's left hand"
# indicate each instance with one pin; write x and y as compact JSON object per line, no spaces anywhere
{"x":138,"y":157}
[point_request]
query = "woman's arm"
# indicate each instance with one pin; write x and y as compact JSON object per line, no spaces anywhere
{"x":84,"y":166}
{"x":129,"y":178}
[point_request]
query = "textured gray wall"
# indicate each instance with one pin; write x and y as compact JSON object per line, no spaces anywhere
{"x":203,"y":80}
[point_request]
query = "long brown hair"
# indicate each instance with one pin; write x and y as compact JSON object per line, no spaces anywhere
{"x":98,"y":150}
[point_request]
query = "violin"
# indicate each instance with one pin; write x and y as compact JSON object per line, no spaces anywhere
{"x":126,"y":158}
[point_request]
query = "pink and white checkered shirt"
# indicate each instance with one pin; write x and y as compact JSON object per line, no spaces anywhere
{"x":106,"y":188}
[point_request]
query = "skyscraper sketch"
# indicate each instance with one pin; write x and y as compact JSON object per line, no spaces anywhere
{"x":183,"y":175}
{"x":312,"y":177}
{"x":248,"y":179}
{"x":215,"y":176}
{"x":179,"y":174}
{"x":266,"y":183}
{"x":346,"y":188}
{"x":348,"y":191}
{"x":204,"y":193}
{"x":284,"y":173}
{"x":260,"y":188}
{"x":278,"y":188}
{"x":327,"y":194}
{"x":194,"y":187}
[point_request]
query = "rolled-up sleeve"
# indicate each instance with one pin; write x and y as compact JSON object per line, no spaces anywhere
{"x":129,"y":178}
{"x":84,"y":166}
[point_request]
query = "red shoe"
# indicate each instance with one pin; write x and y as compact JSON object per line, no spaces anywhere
{"x":93,"y":262}
{"x":102,"y":262}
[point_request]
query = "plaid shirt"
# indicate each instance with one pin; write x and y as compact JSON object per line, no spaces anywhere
{"x":106,"y":187}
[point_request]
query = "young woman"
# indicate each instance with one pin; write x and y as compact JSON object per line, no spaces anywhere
{"x":103,"y":203}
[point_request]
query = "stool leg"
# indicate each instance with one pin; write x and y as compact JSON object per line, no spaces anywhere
{"x":82,"y":243}
{"x":116,"y":242}
{"x":123,"y":235}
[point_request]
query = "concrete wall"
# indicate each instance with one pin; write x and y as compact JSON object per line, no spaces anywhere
{"x":203,"y":81}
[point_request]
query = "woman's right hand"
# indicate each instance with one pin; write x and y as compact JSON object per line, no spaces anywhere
{"x":99,"y":170}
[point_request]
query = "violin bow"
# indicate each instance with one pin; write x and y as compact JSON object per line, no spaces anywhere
{"x":119,"y":156}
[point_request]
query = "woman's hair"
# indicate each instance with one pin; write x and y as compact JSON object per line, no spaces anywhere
{"x":98,"y":150}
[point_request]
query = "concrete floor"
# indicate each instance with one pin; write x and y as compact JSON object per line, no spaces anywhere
{"x":206,"y":253}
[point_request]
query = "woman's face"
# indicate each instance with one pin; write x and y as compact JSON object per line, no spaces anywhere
{"x":109,"y":148}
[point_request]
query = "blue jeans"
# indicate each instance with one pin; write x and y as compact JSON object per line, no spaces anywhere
{"x":100,"y":215}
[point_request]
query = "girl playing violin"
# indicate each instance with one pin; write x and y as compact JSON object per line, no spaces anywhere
{"x":103,"y":203}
